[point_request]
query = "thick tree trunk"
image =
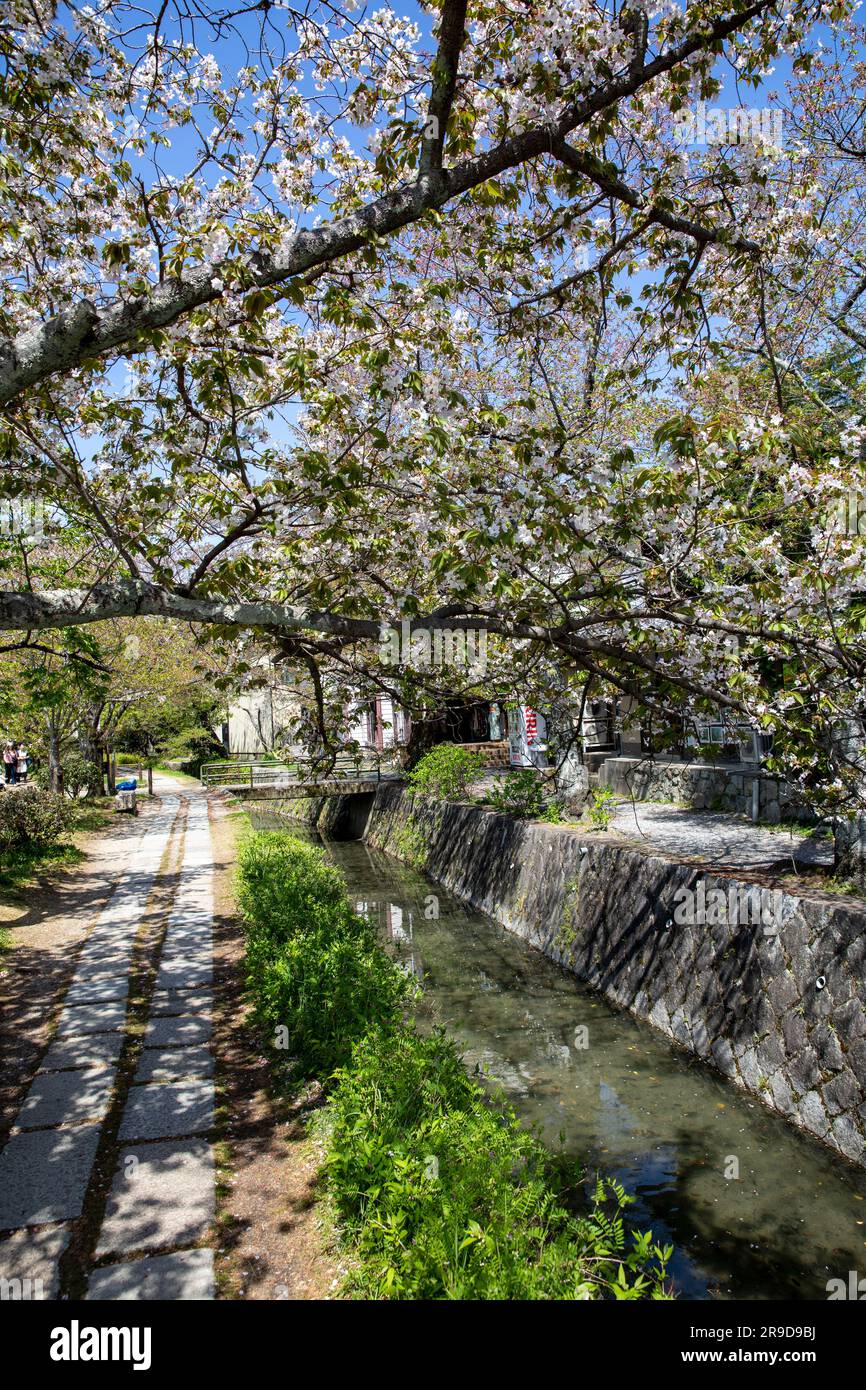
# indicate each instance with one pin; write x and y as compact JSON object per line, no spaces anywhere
{"x":93,"y":753}
{"x":55,"y":770}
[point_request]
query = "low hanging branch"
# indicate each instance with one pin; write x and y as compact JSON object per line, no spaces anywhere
{"x":134,"y":598}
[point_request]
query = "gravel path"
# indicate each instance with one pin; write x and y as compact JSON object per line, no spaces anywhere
{"x":719,"y":840}
{"x":155,"y":1239}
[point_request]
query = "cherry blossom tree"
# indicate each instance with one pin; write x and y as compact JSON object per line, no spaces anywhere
{"x":318,"y":319}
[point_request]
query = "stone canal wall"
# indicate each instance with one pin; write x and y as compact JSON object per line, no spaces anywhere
{"x":769,"y":988}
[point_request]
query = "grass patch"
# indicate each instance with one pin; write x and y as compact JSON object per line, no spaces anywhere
{"x":438,"y":1192}
{"x":814,"y":831}
{"x":92,"y":814}
{"x":824,"y":878}
{"x":22,"y":865}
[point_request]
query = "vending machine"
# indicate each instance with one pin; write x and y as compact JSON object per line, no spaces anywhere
{"x":527,"y":737}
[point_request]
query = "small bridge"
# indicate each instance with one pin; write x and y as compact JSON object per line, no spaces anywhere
{"x":268,"y":781}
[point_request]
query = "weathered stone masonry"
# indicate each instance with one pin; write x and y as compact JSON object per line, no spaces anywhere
{"x":703,"y":786}
{"x":782,"y":1014}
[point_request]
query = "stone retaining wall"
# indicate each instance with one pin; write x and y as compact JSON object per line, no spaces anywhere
{"x":779,"y":1009}
{"x":703,"y":786}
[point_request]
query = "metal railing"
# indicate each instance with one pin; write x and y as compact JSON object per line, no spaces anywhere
{"x":226,"y":774}
{"x":346,"y":766}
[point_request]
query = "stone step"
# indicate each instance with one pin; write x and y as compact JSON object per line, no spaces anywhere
{"x":593,"y":761}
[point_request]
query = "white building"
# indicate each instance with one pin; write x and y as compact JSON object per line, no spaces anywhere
{"x":267,"y":717}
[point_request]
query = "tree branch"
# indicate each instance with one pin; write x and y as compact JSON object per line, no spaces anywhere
{"x":452,"y":34}
{"x":586,"y":164}
{"x":83,"y":333}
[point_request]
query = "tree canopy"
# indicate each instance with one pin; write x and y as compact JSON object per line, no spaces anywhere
{"x":319,"y":319}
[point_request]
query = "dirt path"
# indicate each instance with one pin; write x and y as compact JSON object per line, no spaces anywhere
{"x":271,"y":1242}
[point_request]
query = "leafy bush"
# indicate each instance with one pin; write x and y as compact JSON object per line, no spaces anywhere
{"x":519,"y":794}
{"x":284,"y":886}
{"x":441,"y":1193}
{"x":599,"y":808}
{"x":31,"y":816}
{"x":446,"y":1196}
{"x":80,"y":775}
{"x":190,"y":749}
{"x":314,"y":966}
{"x":522,"y":794}
{"x":324,"y":989}
{"x":446,"y":770}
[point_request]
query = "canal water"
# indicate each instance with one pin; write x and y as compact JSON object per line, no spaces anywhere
{"x":755,"y":1209}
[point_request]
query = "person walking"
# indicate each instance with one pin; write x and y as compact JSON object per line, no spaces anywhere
{"x":23,"y":762}
{"x":10,"y":764}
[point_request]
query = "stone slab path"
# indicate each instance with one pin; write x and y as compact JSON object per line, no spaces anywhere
{"x":163,"y":1192}
{"x":186,"y":1275}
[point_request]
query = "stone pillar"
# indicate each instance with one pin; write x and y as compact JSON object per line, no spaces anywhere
{"x":849,"y":847}
{"x":572,"y":781}
{"x":849,"y":832}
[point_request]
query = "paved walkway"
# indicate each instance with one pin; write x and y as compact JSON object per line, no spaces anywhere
{"x":720,"y":840}
{"x":155,"y":1239}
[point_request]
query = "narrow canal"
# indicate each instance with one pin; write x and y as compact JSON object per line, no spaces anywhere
{"x":616,"y":1095}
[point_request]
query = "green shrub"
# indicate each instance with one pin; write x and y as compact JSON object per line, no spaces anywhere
{"x":81,"y":776}
{"x":446,"y":1196}
{"x":318,"y":976}
{"x":599,"y":808}
{"x":446,"y":771}
{"x":519,"y":794}
{"x":324,"y":989}
{"x":190,"y":749}
{"x":31,"y":816}
{"x":286,"y":886}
